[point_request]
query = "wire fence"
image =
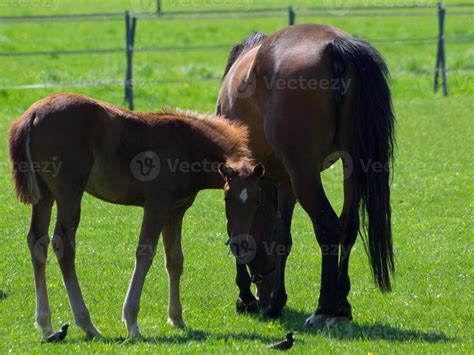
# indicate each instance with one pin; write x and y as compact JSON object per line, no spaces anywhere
{"x":292,"y":13}
{"x":304,"y":11}
{"x":117,"y":83}
{"x":218,"y":47}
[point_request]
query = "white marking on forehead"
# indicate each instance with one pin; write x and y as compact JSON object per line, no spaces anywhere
{"x":244,"y":195}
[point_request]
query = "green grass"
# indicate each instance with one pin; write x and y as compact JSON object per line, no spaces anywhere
{"x":430,"y":310}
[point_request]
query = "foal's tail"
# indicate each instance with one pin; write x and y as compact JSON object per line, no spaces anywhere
{"x":26,"y":182}
{"x":371,"y":151}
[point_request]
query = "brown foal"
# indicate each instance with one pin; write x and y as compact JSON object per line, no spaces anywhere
{"x":156,"y":160}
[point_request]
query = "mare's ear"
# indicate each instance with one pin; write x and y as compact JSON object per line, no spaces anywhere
{"x":258,"y":171}
{"x":226,"y":171}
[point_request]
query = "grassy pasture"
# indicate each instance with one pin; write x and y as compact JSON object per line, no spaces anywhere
{"x":430,"y":310}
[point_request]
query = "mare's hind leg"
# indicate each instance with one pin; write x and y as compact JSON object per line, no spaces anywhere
{"x":38,"y":241}
{"x":64,"y":244}
{"x":349,"y":224}
{"x":174,"y":266}
{"x":310,"y":193}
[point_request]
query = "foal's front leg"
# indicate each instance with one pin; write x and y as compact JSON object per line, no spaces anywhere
{"x":150,"y":232}
{"x":174,"y":266}
{"x":246,"y":301}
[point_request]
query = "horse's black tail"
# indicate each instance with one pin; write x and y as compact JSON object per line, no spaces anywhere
{"x":371,"y":151}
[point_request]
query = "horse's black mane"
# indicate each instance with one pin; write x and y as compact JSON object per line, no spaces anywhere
{"x":253,"y":39}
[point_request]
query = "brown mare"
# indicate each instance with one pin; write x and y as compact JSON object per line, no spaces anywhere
{"x":311,"y":94}
{"x":156,"y":160}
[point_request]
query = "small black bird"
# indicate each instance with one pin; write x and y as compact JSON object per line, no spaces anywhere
{"x":58,"y":336}
{"x":285,"y":344}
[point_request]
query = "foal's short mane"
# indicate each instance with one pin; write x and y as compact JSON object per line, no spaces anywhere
{"x":248,"y":43}
{"x":232,"y":136}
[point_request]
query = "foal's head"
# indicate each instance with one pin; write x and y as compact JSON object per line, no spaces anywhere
{"x":251,"y":209}
{"x":242,"y":196}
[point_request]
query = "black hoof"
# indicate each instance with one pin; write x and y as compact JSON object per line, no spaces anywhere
{"x":246,"y":307}
{"x":345,"y":313}
{"x":263,"y":304}
{"x":272,"y":313}
{"x":344,"y":310}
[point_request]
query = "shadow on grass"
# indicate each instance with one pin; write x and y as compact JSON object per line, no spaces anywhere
{"x":293,"y":320}
{"x":186,"y":336}
{"x":3,"y":295}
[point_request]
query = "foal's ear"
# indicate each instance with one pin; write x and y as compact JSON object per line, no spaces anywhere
{"x":258,"y":171}
{"x":226,"y":171}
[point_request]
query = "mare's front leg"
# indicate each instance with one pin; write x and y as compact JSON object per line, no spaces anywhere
{"x":286,"y":206}
{"x":153,"y":221}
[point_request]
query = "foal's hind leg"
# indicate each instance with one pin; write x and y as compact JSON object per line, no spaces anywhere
{"x":38,"y":241}
{"x":64,"y":244}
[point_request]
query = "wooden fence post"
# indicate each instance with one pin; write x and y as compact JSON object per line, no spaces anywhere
{"x":130,"y":25}
{"x":441,"y":56}
{"x":291,"y":15}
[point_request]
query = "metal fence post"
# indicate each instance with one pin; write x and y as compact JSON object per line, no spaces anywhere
{"x":441,"y":55}
{"x":291,"y":15}
{"x":130,"y":25}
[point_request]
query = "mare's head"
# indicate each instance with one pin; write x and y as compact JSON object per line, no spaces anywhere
{"x":251,"y":209}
